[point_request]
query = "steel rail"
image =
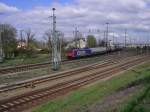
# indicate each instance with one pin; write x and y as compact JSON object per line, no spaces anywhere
{"x":28,"y":67}
{"x":40,"y":80}
{"x":16,"y":104}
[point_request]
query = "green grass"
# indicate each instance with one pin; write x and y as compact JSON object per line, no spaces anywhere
{"x":140,"y":101}
{"x":78,"y":101}
{"x":144,"y":105}
{"x":18,"y":60}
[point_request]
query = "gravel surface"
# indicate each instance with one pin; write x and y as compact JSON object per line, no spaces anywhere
{"x":12,"y":78}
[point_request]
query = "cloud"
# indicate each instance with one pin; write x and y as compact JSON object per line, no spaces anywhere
{"x":7,"y":9}
{"x":86,"y":14}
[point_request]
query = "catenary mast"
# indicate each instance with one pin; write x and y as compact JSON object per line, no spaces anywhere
{"x":56,"y":55}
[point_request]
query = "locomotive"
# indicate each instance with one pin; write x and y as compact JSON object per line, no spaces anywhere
{"x":84,"y":52}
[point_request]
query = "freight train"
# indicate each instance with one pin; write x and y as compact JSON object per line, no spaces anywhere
{"x":84,"y":52}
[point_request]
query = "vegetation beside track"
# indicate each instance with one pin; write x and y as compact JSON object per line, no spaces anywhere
{"x":79,"y":100}
{"x":39,"y":58}
{"x":140,"y":101}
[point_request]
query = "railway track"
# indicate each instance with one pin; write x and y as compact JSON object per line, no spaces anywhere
{"x":27,"y":100}
{"x":22,"y":68}
{"x":40,"y":80}
{"x":35,"y":81}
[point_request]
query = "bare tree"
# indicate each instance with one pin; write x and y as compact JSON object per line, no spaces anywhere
{"x":8,"y":39}
{"x":48,"y":37}
{"x":30,"y":37}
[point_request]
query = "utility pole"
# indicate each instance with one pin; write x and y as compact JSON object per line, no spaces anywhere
{"x":130,"y":41}
{"x":76,"y":37}
{"x":125,"y":38}
{"x":104,"y":39}
{"x":21,"y":38}
{"x":56,"y":54}
{"x":21,"y":43}
{"x":147,"y":45}
{"x":2,"y":54}
{"x":1,"y":47}
{"x":113,"y":38}
{"x":107,"y":35}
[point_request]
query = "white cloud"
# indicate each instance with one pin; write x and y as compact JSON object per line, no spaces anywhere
{"x":121,"y":14}
{"x":7,"y":9}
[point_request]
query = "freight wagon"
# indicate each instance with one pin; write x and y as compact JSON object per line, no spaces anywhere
{"x":77,"y":53}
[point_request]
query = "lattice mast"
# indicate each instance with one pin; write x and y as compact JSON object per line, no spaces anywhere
{"x":56,"y":49}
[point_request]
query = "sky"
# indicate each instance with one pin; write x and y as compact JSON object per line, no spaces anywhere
{"x":86,"y":15}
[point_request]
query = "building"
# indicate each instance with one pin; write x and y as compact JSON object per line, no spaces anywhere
{"x":22,"y":45}
{"x":78,"y":43}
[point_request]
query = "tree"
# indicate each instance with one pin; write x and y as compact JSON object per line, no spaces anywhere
{"x":9,"y":41}
{"x":101,"y":43}
{"x":91,"y":41}
{"x":62,"y":43}
{"x":31,"y":43}
{"x":48,"y":37}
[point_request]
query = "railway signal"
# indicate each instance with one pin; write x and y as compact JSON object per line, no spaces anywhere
{"x":56,"y":52}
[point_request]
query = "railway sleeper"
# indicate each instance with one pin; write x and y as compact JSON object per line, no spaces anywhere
{"x":81,"y":84}
{"x":16,"y":102}
{"x":11,"y":104}
{"x":30,"y":85}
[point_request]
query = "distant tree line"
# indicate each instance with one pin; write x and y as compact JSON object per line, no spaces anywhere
{"x":92,"y":42}
{"x":24,"y":43}
{"x":8,"y":40}
{"x":29,"y":45}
